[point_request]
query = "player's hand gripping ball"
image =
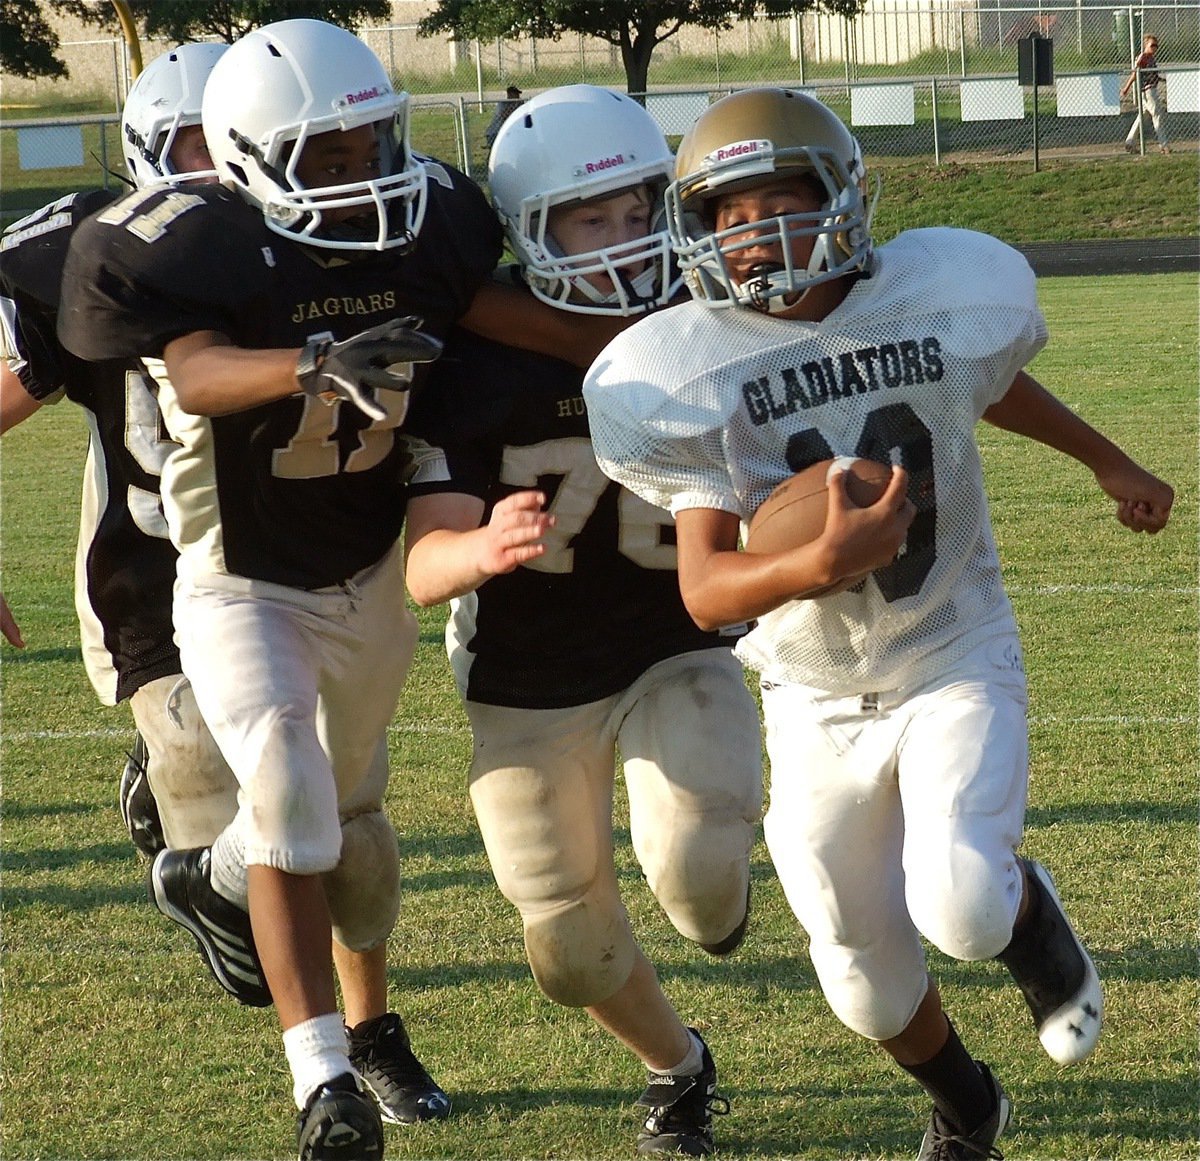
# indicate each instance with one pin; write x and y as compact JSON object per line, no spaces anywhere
{"x":794,"y":513}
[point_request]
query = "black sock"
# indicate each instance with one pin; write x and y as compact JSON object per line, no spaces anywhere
{"x":956,"y":1085}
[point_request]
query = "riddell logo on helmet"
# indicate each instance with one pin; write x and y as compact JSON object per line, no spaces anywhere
{"x":604,"y":163}
{"x":365,"y":95}
{"x":737,"y":150}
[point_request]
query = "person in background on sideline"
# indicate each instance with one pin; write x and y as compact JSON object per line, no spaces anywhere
{"x":1145,"y":73}
{"x":512,"y":100}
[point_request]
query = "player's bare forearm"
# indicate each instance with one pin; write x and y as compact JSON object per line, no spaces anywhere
{"x":448,"y":553}
{"x":213,"y":377}
{"x":722,"y":586}
{"x":1028,"y":409}
{"x":441,"y":565}
{"x":9,"y":629}
{"x":16,"y":404}
{"x":508,"y":315}
{"x":725,"y":588}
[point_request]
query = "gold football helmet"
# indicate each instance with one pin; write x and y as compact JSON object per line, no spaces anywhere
{"x":742,"y":141}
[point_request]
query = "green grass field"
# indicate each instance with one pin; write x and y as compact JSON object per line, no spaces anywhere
{"x":118,"y":1044}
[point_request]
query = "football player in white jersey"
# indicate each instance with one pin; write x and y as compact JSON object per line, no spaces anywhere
{"x":568,"y":636}
{"x":895,"y":710}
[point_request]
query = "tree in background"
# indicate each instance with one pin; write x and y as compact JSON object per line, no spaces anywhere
{"x":181,"y":20}
{"x":28,"y":44}
{"x":636,"y":27}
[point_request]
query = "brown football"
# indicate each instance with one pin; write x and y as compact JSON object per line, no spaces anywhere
{"x":794,"y":513}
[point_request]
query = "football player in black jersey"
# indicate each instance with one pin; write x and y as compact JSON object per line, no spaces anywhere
{"x":127,"y":572}
{"x":125,"y":568}
{"x":275,"y":311}
{"x":568,"y":635}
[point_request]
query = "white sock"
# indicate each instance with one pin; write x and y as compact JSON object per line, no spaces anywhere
{"x":228,"y":868}
{"x":693,"y":1062}
{"x":316,"y":1051}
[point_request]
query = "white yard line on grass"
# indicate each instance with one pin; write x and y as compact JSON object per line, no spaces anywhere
{"x":75,"y":735}
{"x":1050,"y":590}
{"x":1036,"y":720}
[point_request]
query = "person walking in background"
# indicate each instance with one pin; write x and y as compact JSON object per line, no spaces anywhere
{"x":1145,"y":72}
{"x":512,"y":100}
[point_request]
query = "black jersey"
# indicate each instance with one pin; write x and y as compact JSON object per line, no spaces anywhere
{"x":125,"y":564}
{"x":585,"y":619}
{"x":293,"y":492}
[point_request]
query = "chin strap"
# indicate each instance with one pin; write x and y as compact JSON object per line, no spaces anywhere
{"x":758,"y":290}
{"x":639,"y":291}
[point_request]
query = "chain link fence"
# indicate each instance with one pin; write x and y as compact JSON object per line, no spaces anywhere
{"x":913,"y":83}
{"x":891,"y":38}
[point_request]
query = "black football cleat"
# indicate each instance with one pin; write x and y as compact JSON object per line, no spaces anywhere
{"x":139,"y":810}
{"x":404,"y":1091}
{"x":681,"y":1111}
{"x":946,"y":1142}
{"x":180,"y":888}
{"x":340,"y":1123}
{"x":1055,"y":974}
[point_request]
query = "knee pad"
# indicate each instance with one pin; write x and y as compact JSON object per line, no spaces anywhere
{"x":701,"y":874}
{"x":581,"y":951}
{"x":875,"y":998}
{"x":194,"y":789}
{"x":971,"y":936}
{"x":363,"y":890}
{"x":970,"y":919}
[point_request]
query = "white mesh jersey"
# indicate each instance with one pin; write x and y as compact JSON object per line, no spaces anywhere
{"x":702,"y":408}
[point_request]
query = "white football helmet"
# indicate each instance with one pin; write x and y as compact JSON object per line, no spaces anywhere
{"x":573,"y":144}
{"x":165,"y":97}
{"x":285,"y":83}
{"x":741,"y":141}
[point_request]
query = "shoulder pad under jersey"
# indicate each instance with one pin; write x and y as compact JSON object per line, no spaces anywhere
{"x":157,"y":264}
{"x":33,"y":249}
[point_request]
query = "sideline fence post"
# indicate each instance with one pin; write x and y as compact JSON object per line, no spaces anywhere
{"x":937,"y":145}
{"x":464,"y":140}
{"x":1035,"y":66}
{"x":1036,"y":166}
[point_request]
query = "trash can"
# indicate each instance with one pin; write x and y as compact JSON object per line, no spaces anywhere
{"x":1122,"y":38}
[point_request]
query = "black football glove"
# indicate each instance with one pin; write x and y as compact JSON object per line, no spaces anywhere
{"x":381,"y":358}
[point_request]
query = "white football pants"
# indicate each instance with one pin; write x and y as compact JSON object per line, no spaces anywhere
{"x":1154,"y":107}
{"x":897,"y":816}
{"x":298,"y":689}
{"x":542,"y":788}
